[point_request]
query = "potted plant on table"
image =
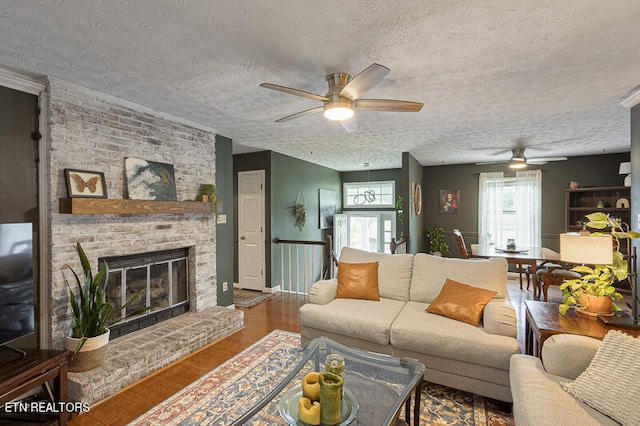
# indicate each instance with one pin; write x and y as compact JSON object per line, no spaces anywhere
{"x":91,"y":316}
{"x":595,"y":292}
{"x":437,"y":244}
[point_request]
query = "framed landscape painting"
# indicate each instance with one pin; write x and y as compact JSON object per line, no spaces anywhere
{"x":327,"y":203}
{"x":149,"y":180}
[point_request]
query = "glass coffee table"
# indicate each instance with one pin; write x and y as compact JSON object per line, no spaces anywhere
{"x":376,"y":386}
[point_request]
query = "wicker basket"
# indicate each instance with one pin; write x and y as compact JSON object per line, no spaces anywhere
{"x":91,"y":355}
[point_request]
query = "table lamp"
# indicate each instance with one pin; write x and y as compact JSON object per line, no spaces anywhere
{"x":584,"y":248}
{"x":625,"y":169}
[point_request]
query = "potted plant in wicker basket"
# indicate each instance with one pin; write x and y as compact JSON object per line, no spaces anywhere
{"x":91,"y":315}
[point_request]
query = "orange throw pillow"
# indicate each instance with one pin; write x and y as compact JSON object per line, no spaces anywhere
{"x":358,"y":281}
{"x":461,"y":302}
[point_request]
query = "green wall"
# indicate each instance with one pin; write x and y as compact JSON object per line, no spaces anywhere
{"x":287,"y":176}
{"x":589,"y":171}
{"x":413,"y":223}
{"x":284,"y":175}
{"x":224,"y":231}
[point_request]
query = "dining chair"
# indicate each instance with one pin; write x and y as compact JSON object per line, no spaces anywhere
{"x":464,"y":253}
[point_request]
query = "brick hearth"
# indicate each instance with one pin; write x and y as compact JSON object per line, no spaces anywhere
{"x":136,"y":355}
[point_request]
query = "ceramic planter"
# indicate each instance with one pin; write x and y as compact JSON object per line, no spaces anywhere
{"x":90,"y":355}
{"x":594,"y":305}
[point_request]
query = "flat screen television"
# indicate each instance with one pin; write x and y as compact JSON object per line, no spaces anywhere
{"x":17,"y":307}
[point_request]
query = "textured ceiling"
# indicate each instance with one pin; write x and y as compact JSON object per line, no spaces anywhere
{"x":492,"y":74}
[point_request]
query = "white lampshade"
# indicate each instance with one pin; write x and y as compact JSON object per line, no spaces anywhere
{"x":585,"y":248}
{"x":625,"y":168}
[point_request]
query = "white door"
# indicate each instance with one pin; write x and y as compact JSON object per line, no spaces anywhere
{"x":339,"y":233}
{"x":251,"y":244}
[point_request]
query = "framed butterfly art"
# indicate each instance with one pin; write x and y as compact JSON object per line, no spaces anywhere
{"x":84,"y":183}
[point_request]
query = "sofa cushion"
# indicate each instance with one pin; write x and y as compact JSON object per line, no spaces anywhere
{"x":610,"y":383}
{"x":394,"y":271}
{"x":431,"y":272}
{"x":461,"y":302}
{"x":358,"y":281}
{"x":364,"y":319}
{"x":419,"y":331}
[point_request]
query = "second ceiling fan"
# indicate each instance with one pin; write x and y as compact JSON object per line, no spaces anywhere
{"x":519,"y":161}
{"x":343,"y":97}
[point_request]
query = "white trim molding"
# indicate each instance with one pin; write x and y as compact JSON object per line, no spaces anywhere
{"x":632,"y":98}
{"x":20,"y":82}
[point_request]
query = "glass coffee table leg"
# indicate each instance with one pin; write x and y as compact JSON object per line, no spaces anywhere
{"x":416,"y":405}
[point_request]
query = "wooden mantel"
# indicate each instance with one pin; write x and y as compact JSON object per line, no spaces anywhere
{"x":106,"y":206}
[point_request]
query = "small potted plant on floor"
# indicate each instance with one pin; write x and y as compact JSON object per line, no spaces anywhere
{"x":91,"y":316}
{"x":595,"y":292}
{"x":437,"y":244}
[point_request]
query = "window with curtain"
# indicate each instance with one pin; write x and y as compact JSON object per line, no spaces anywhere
{"x":510,"y":207}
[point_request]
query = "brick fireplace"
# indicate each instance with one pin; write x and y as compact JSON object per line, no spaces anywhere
{"x":91,"y":131}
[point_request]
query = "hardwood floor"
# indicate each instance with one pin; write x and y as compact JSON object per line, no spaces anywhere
{"x":279,"y":312}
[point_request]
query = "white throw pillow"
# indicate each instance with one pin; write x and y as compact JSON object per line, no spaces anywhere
{"x":611,"y":383}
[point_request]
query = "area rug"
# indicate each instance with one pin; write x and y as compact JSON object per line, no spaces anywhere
{"x":225,"y":393}
{"x":249,"y":298}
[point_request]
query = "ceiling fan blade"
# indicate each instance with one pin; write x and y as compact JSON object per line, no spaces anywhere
{"x":300,"y":114}
{"x":488,"y":163}
{"x":294,"y":92}
{"x":544,"y":160}
{"x":387,"y":105}
{"x":363,"y":82}
{"x":350,"y":125}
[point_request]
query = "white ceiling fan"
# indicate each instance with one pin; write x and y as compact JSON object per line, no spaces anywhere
{"x":344,"y":97}
{"x":519,"y":161}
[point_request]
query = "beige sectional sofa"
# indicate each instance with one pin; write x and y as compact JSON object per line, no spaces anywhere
{"x":456,"y":354}
{"x":538,"y":398}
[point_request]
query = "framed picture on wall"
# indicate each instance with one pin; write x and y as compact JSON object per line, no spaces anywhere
{"x":327,"y":203}
{"x":449,"y":201}
{"x":85,"y":183}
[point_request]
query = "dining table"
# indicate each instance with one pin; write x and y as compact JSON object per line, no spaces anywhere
{"x":519,"y":256}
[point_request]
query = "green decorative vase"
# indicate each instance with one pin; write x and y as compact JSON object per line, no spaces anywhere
{"x":330,"y":390}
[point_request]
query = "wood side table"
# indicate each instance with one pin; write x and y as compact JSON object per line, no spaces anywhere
{"x":22,"y":374}
{"x":544,"y":320}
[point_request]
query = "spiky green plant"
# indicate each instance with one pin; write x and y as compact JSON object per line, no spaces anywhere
{"x":91,"y":310}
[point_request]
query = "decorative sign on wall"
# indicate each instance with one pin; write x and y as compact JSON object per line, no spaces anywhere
{"x":148,"y":180}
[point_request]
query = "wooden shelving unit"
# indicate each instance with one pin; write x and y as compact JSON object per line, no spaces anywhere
{"x":582,"y":201}
{"x":106,"y":206}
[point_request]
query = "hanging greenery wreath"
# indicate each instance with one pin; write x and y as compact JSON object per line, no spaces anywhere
{"x":300,"y":210}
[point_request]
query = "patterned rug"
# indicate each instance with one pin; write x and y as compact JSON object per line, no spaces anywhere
{"x":223,"y":394}
{"x":249,"y":298}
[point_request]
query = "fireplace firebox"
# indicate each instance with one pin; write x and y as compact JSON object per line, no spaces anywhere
{"x":162,"y":277}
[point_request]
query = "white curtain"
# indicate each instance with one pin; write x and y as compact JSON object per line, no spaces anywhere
{"x":490,"y":208}
{"x":528,"y":206}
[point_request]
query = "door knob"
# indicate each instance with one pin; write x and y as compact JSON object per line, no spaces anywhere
{"x":242,"y":238}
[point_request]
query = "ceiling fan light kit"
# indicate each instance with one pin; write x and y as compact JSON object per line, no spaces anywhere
{"x":343,"y":97}
{"x":338,"y":109}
